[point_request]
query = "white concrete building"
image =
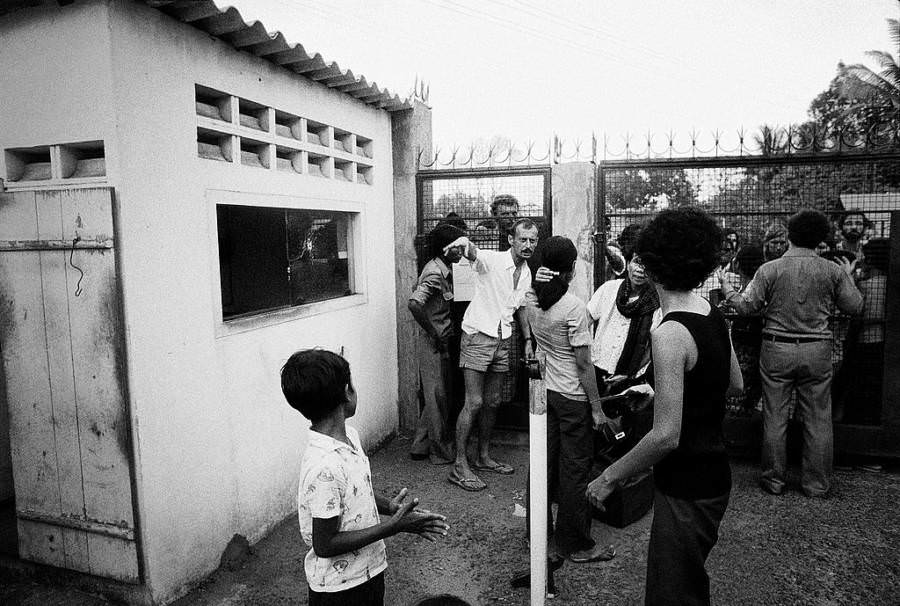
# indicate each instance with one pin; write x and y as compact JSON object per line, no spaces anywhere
{"x":187,"y":200}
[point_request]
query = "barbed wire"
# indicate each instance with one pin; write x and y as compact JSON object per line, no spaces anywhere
{"x":803,"y":139}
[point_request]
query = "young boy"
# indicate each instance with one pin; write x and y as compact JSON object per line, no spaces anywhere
{"x":338,"y":509}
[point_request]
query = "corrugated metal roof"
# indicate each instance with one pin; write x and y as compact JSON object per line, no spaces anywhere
{"x":227,"y":24}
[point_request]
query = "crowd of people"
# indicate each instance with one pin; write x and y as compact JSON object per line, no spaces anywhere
{"x":646,"y":340}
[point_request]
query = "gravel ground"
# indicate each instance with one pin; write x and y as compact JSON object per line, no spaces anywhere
{"x":772,"y":550}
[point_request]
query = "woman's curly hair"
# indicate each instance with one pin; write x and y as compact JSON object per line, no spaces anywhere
{"x":680,"y":247}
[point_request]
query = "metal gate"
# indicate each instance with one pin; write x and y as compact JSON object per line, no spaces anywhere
{"x":752,"y":197}
{"x":464,"y":197}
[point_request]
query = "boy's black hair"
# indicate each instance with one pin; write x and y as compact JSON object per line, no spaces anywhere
{"x":314,"y":382}
{"x":680,"y":247}
{"x":808,"y":227}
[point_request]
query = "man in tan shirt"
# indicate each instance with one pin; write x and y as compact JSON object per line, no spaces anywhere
{"x":795,"y":294}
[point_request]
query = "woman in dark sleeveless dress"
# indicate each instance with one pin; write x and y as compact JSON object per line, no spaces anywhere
{"x":695,"y":368}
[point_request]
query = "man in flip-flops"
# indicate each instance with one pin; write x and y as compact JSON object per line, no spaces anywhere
{"x":502,"y":279}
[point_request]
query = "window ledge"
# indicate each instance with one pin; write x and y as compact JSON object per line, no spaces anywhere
{"x":71,"y":182}
{"x":287,"y":314}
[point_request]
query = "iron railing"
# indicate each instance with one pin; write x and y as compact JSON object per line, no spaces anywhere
{"x":766,"y":141}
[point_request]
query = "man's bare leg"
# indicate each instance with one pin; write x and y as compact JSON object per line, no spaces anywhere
{"x":492,"y":383}
{"x":475,"y":382}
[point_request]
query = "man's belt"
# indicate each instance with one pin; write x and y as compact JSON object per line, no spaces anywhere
{"x":795,"y":340}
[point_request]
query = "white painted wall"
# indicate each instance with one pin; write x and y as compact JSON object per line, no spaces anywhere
{"x":52,"y":85}
{"x":217,"y":447}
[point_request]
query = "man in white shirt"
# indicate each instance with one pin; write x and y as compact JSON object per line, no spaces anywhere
{"x":502,"y":279}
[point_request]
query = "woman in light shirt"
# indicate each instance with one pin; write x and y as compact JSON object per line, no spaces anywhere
{"x":626,"y":310}
{"x":560,"y":329}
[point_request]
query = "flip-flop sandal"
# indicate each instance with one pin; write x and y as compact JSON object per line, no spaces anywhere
{"x":604,"y":554}
{"x":469,"y":484}
{"x":501,"y":468}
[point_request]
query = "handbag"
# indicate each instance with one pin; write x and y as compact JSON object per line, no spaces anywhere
{"x":632,"y":417}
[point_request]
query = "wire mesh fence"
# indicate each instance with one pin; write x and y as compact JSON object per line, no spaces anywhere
{"x":483,"y":202}
{"x":752,"y":198}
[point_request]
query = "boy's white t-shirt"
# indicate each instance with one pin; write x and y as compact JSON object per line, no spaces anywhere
{"x":336,"y":480}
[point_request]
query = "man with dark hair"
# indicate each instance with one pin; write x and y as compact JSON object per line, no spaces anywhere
{"x":796,"y":294}
{"x":853,"y":228}
{"x":775,"y":240}
{"x":430,"y":306}
{"x":732,"y":239}
{"x":731,"y":242}
{"x":502,"y":279}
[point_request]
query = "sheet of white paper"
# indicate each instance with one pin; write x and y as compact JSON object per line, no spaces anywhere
{"x":463,"y":281}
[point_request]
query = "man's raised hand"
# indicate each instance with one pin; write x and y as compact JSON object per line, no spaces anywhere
{"x":462,"y":242}
{"x":848,"y":266}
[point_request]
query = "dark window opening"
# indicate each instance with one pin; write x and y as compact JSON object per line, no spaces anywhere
{"x":270,"y":258}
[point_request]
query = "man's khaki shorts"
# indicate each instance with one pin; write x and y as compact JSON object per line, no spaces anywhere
{"x":483,"y":353}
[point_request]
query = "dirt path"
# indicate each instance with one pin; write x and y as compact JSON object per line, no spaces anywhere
{"x":787,"y":550}
{"x":772,"y":550}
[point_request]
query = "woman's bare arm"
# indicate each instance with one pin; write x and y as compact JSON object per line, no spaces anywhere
{"x":736,"y":380}
{"x":588,"y":378}
{"x":672,"y":346}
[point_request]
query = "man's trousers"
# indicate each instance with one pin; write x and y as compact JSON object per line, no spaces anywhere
{"x":807,"y":368}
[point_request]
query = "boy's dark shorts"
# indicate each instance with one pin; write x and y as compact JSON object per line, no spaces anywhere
{"x":370,"y":593}
{"x":483,"y":353}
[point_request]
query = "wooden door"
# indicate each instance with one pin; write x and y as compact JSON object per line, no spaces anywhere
{"x":62,"y":350}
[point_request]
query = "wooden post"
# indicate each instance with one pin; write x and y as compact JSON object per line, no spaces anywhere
{"x":537,"y":504}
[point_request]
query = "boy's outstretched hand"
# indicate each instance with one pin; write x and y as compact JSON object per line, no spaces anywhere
{"x":408,"y":518}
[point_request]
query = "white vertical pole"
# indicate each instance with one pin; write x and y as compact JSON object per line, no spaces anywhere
{"x":537,"y":504}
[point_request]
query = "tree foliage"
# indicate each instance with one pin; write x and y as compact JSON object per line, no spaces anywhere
{"x":639,"y":190}
{"x":877,"y":89}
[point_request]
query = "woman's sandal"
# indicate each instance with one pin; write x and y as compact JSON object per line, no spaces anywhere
{"x":501,"y":468}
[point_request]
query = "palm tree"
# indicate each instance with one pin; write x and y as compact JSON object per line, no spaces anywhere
{"x":771,"y":140}
{"x":879,"y":91}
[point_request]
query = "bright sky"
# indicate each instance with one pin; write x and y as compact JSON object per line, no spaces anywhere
{"x":525,"y":69}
